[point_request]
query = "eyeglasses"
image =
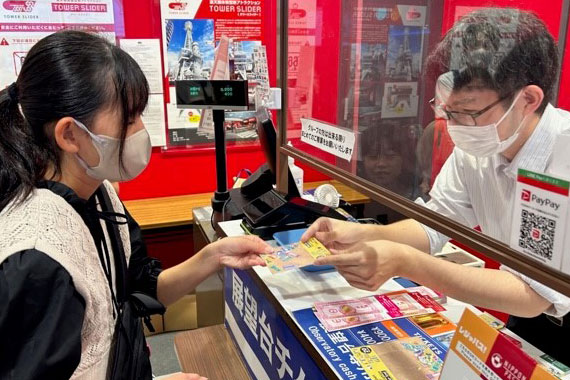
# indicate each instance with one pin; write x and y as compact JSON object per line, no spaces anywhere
{"x":463,"y":118}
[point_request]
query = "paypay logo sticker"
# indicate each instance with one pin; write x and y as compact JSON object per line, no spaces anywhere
{"x":525,"y":196}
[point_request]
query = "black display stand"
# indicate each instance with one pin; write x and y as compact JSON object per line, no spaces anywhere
{"x":221,"y":195}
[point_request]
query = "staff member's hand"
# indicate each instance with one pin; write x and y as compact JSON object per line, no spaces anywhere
{"x":370,"y":264}
{"x":336,"y":234}
{"x":239,"y":252}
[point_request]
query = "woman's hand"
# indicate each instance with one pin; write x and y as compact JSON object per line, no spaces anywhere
{"x":239,"y":252}
{"x":236,"y":252}
{"x":370,"y":264}
{"x":336,"y":234}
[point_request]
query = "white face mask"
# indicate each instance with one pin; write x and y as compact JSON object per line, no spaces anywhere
{"x":136,"y":155}
{"x":483,"y":141}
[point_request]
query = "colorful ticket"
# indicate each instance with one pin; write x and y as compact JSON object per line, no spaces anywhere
{"x":334,"y":324}
{"x":339,"y":309}
{"x":439,"y":297}
{"x":295,"y":255}
{"x":315,"y":248}
{"x":405,"y":304}
{"x":338,"y":315}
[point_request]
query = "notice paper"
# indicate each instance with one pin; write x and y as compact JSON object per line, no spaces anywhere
{"x":153,"y":119}
{"x":328,"y":138}
{"x":147,"y":54}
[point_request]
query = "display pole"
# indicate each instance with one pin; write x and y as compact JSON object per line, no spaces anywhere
{"x":221,"y":195}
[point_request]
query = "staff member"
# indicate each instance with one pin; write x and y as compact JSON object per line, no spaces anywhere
{"x":500,"y":68}
{"x":70,"y":122}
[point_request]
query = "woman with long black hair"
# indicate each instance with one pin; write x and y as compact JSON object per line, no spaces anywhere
{"x":74,"y":271}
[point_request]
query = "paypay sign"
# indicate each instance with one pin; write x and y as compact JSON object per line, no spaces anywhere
{"x":540,"y":217}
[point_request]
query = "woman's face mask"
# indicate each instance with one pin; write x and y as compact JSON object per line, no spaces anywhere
{"x":483,"y":141}
{"x":136,"y":155}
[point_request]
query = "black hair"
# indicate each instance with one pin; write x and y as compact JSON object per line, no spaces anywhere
{"x":501,"y":49}
{"x":68,"y":73}
{"x":391,"y":136}
{"x":388,"y":136}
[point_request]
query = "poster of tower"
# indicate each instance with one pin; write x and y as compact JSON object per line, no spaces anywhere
{"x":190,"y":49}
{"x":380,"y":51}
{"x":404,"y":53}
{"x":372,"y":68}
{"x":191,"y":31}
{"x":246,"y":60}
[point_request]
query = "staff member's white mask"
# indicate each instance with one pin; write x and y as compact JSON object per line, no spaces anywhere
{"x":136,"y":155}
{"x":483,"y":141}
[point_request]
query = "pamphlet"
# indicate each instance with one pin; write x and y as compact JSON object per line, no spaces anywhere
{"x":478,"y":351}
{"x":337,"y":347}
{"x":403,"y":359}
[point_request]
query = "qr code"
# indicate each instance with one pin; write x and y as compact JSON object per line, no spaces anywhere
{"x":537,"y":234}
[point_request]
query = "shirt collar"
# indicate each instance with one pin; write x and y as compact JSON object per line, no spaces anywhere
{"x":80,"y":205}
{"x":535,"y":153}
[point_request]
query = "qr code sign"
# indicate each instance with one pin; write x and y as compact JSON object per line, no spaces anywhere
{"x":537,"y":234}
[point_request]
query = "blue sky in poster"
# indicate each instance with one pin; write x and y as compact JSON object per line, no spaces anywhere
{"x":397,"y":35}
{"x":248,"y":46}
{"x":202,"y":32}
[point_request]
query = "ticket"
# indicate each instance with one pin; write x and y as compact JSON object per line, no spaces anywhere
{"x":294,"y":255}
{"x":333,"y":324}
{"x":315,"y":248}
{"x":345,"y":308}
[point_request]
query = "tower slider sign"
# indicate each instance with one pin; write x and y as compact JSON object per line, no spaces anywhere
{"x":540,"y":217}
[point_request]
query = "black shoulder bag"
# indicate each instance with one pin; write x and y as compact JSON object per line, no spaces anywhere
{"x":130,"y":357}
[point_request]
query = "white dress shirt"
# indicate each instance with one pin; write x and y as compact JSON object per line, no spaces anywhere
{"x":479,"y":191}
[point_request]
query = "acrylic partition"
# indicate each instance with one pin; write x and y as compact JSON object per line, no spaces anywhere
{"x":371,"y":90}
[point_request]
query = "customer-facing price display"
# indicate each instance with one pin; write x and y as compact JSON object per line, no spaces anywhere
{"x":540,"y":218}
{"x":478,"y":351}
{"x":212,"y":94}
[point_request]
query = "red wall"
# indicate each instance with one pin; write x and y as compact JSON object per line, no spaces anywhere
{"x":192,"y":171}
{"x":548,"y":10}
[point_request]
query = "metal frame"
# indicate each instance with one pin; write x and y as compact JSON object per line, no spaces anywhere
{"x":562,"y":37}
{"x":480,"y":242}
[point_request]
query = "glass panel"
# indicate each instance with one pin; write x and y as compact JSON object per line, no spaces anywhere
{"x":377,"y":90}
{"x":357,"y":65}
